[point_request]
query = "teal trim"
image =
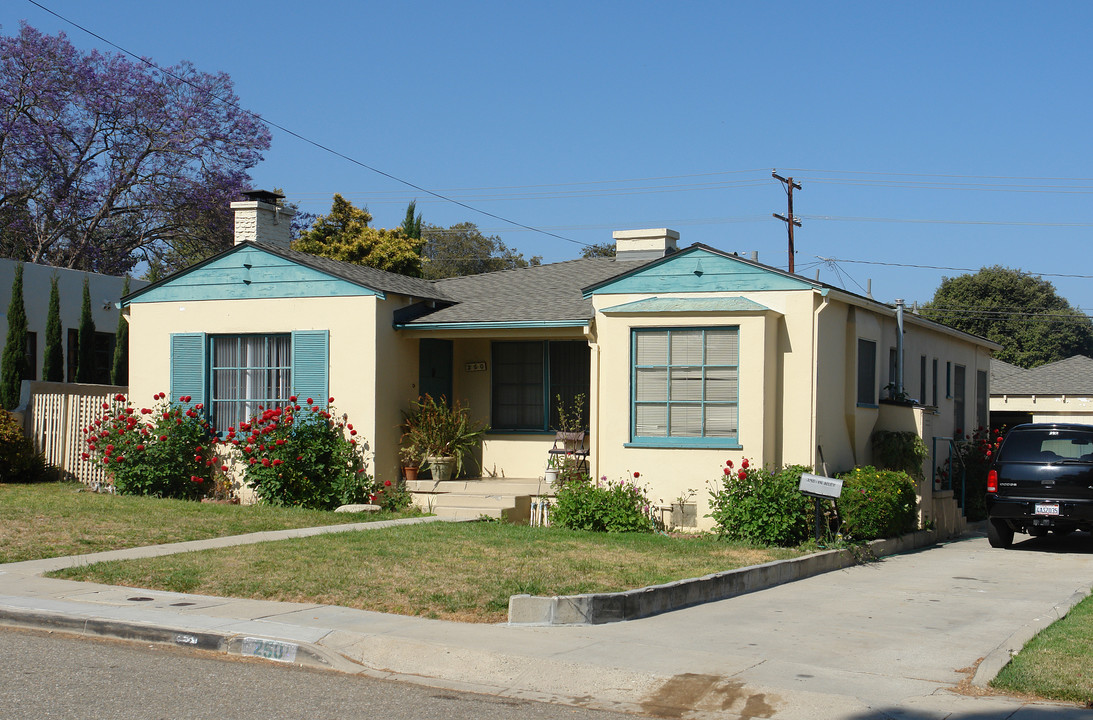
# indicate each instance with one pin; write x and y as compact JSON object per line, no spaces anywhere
{"x":700,"y":270}
{"x":688,"y":305}
{"x":250,"y":273}
{"x":311,"y":365}
{"x":685,"y":443}
{"x":188,"y":375}
{"x":492,"y":325}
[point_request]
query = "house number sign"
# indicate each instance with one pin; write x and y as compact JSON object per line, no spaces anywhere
{"x":475,"y":366}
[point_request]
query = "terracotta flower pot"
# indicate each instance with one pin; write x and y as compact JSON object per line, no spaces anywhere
{"x":410,"y":473}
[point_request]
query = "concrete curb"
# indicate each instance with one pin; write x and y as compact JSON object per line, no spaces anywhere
{"x":996,"y":659}
{"x":303,"y":654}
{"x":599,"y":608}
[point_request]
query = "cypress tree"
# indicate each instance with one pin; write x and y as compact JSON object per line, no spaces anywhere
{"x":53,"y":361}
{"x":411,"y":225}
{"x":119,"y":371}
{"x":85,"y":353}
{"x":14,"y":364}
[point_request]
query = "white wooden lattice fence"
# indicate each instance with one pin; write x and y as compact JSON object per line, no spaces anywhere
{"x":55,"y":415}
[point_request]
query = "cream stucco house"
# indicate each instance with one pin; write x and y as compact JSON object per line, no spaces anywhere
{"x":688,"y":357}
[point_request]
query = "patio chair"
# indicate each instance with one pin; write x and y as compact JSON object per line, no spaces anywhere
{"x":571,"y":444}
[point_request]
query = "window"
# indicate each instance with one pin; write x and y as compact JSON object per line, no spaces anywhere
{"x":933,"y":391}
{"x":31,"y":370}
{"x":867,"y":372}
{"x":922,"y":380}
{"x":685,"y":386}
{"x":248,"y":371}
{"x":948,"y":380}
{"x":958,"y":399}
{"x":233,"y":374}
{"x":892,"y":372}
{"x":529,"y":376}
{"x":981,"y":414}
{"x":102,"y":356}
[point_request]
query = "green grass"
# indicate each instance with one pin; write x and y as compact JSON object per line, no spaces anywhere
{"x":55,"y":519}
{"x":1057,"y":664}
{"x":462,"y":572}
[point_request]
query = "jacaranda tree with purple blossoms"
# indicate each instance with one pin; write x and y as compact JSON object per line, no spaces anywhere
{"x":105,"y":161}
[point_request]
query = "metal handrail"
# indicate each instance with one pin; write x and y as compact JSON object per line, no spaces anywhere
{"x":951,"y":443}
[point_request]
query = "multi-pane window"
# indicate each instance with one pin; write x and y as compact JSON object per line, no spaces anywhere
{"x":981,"y":399}
{"x":248,"y":371}
{"x":867,"y":372}
{"x":686,"y":383}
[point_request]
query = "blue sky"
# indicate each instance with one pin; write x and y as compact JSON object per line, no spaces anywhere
{"x":948,"y":134}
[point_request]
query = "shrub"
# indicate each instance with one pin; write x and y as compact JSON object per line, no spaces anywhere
{"x":300,"y":456}
{"x":164,"y":451}
{"x":762,"y":506}
{"x":391,"y":495}
{"x":973,"y":458}
{"x":19,"y":463}
{"x":604,"y":506}
{"x":877,"y":504}
{"x":895,"y":450}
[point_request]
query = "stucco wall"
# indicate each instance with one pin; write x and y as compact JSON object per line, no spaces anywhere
{"x":105,"y":291}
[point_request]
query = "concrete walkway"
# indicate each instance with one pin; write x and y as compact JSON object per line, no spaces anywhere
{"x":891,"y":639}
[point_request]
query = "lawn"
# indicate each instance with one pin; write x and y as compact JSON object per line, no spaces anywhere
{"x":464,"y":572}
{"x":1058,"y":663}
{"x":54,"y":519}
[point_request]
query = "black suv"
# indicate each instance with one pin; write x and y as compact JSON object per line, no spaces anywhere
{"x":1040,"y":480}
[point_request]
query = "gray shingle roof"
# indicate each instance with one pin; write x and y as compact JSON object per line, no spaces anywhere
{"x":545,"y":293}
{"x":1073,"y":376}
{"x":369,"y":277}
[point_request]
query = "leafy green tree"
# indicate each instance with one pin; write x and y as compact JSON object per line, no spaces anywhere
{"x":1021,"y":312}
{"x":85,"y":352}
{"x":344,"y":234}
{"x":598,"y":250}
{"x":411,"y":226}
{"x":13,"y":367}
{"x":119,"y":369}
{"x":463,"y":250}
{"x":53,"y":360}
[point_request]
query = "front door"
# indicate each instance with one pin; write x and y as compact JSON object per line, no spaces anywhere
{"x":435,"y":369}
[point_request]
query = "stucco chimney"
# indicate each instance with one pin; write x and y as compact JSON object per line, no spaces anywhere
{"x":644,"y":244}
{"x":260,"y":219}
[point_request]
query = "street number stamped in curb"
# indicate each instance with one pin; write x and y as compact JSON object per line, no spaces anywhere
{"x":269,"y":649}
{"x":183,"y":639}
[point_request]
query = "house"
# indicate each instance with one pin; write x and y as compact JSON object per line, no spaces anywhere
{"x":105,"y":293}
{"x":1061,"y":391}
{"x":687,"y":357}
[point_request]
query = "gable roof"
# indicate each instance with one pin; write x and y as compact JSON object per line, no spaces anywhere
{"x":375,"y":281}
{"x":1072,"y":376}
{"x":536,"y":296}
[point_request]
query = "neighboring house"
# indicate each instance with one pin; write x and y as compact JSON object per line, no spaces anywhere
{"x":105,"y":293}
{"x":688,"y":358}
{"x":1061,"y":391}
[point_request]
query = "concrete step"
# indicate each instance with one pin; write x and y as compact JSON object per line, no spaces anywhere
{"x":469,"y":513}
{"x":488,"y":486}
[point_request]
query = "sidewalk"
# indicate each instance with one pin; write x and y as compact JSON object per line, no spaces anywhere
{"x":885,"y":640}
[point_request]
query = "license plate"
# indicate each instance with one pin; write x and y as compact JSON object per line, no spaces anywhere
{"x":1047,"y":508}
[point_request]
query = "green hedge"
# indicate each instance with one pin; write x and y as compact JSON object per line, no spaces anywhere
{"x":762,"y":506}
{"x":877,"y":504}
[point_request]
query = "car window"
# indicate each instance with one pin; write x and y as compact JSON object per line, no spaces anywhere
{"x":1047,"y":445}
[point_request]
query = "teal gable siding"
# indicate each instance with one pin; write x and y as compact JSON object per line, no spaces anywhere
{"x":700,"y":271}
{"x":251,"y":273}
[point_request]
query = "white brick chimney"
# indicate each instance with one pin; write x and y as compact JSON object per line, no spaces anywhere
{"x":260,"y":219}
{"x":645,"y":244}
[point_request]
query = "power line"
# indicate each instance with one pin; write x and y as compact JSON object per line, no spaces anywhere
{"x":1018,"y":223}
{"x":943,"y":267}
{"x":303,"y":138}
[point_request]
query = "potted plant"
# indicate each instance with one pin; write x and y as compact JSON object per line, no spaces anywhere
{"x":445,"y":436}
{"x":410,"y":458}
{"x":553,"y":468}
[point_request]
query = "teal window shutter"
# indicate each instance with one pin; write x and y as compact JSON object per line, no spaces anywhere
{"x":311,"y":365}
{"x":188,"y":367}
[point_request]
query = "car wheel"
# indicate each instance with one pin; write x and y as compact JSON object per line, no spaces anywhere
{"x":1037,"y":531}
{"x":999,"y":534}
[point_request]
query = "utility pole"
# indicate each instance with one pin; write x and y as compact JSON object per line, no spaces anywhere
{"x":788,"y":218}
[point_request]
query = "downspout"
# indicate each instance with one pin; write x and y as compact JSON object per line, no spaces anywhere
{"x":898,"y":390}
{"x":593,"y":401}
{"x":812,"y":428}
